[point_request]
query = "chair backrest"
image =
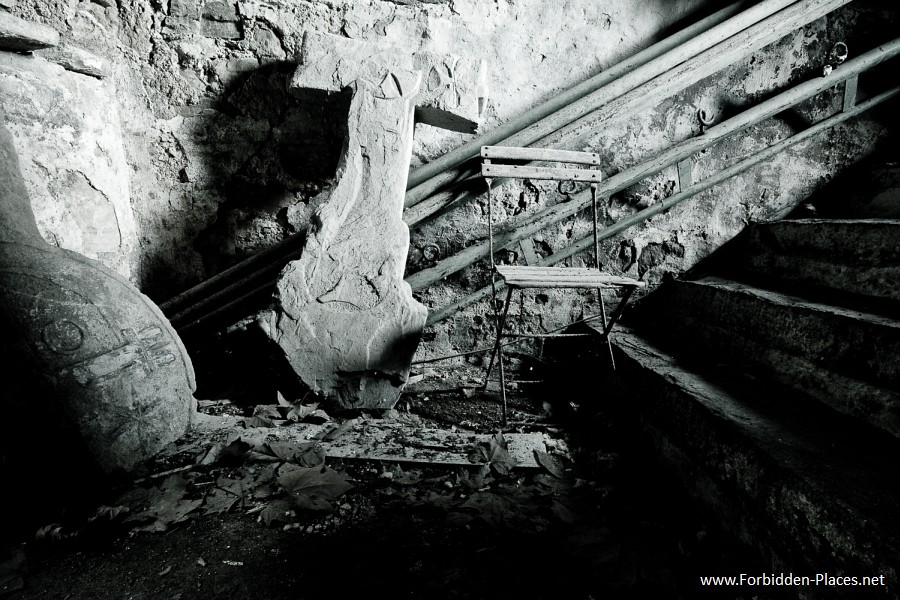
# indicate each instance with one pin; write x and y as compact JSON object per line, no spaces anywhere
{"x":491,"y":169}
{"x":497,"y":153}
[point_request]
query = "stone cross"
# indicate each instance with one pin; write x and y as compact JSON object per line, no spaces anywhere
{"x":347,"y":321}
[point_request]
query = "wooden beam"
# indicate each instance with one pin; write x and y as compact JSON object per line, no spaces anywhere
{"x":531,"y":225}
{"x":641,"y":216}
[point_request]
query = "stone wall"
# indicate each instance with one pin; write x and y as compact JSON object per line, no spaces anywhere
{"x":222,"y":162}
{"x":66,"y":129}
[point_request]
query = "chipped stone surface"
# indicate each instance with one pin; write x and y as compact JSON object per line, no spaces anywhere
{"x":66,"y":131}
{"x":96,"y":351}
{"x":348,"y":324}
{"x":21,"y":35}
{"x":72,"y":58}
{"x":452,"y":88}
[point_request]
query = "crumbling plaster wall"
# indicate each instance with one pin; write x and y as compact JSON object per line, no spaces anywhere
{"x":223,"y":162}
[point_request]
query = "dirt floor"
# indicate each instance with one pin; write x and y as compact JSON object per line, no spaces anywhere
{"x":233,"y":515}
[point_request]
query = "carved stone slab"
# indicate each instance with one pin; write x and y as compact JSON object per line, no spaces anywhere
{"x":348,"y":323}
{"x":84,"y":341}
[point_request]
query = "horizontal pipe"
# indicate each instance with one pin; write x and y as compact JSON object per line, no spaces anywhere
{"x":233,"y":275}
{"x":531,"y":225}
{"x":641,"y":216}
{"x":660,"y":56}
{"x":617,"y":108}
{"x":208,"y":303}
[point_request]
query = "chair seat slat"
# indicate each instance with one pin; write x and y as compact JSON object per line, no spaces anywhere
{"x":529,"y":172}
{"x":546,"y":154}
{"x":561,"y":277}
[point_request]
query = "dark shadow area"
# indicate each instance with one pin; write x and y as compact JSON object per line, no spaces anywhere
{"x":270,"y":151}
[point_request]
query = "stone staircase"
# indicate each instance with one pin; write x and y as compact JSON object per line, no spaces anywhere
{"x":769,"y":382}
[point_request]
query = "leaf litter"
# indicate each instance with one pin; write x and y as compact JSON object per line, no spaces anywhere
{"x":281,"y":479}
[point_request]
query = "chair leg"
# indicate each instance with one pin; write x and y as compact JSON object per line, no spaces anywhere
{"x":501,"y":322}
{"x":613,"y":319}
{"x":612,"y":360}
{"x":502,"y":382}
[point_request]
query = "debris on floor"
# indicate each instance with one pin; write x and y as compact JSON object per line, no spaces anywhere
{"x":432,"y":510}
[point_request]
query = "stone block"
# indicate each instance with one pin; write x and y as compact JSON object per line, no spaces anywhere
{"x":188,"y":9}
{"x":22,"y":36}
{"x":177,"y":28}
{"x":219,"y":11}
{"x":225,"y":30}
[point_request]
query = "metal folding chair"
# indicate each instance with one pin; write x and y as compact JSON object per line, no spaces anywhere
{"x":522,"y":277}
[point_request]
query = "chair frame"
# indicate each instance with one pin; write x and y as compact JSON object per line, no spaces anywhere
{"x":517,"y":277}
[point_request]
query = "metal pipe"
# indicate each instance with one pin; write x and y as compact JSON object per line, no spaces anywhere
{"x":616,"y":105}
{"x":641,"y":67}
{"x":242,"y":270}
{"x":531,"y":225}
{"x":641,"y":216}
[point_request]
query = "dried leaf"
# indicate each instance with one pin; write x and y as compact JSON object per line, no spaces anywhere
{"x":339,"y":430}
{"x":308,"y":486}
{"x":307,"y":454}
{"x":231,"y":453}
{"x":313,"y":503}
{"x":258,"y":422}
{"x":219,"y":501}
{"x":308,"y":413}
{"x":495,"y":453}
{"x":564,"y":513}
{"x":165,"y":505}
{"x":266,"y":411}
{"x":53,"y":532}
{"x":277,"y":511}
{"x":494,"y":509}
{"x":551,"y":463}
{"x":13,"y":568}
{"x":109,"y":513}
{"x":254,"y":456}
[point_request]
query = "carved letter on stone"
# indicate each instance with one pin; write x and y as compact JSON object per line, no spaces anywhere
{"x":348,"y":322}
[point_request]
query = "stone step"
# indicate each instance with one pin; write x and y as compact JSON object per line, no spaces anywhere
{"x":797,"y":482}
{"x":871,"y":194}
{"x":847,"y":256}
{"x":844,"y":358}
